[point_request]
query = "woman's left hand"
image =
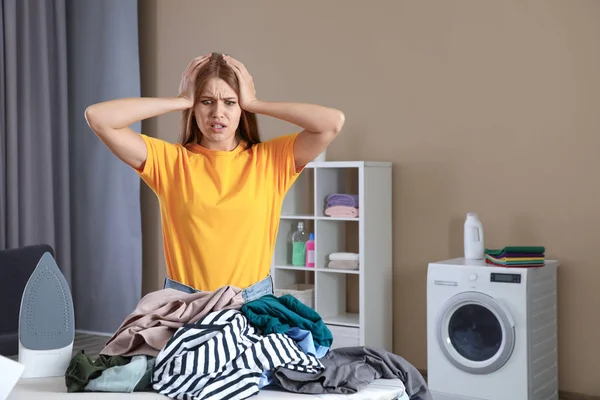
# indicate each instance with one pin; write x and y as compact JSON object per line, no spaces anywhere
{"x":247,"y":90}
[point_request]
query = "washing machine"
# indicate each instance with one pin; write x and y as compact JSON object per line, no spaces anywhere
{"x":491,"y":331}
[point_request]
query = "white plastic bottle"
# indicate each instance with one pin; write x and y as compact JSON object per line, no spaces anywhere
{"x":474,"y":247}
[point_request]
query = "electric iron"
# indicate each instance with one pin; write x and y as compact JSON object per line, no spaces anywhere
{"x":46,"y":322}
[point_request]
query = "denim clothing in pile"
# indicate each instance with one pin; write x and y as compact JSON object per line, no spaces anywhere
{"x":252,"y":292}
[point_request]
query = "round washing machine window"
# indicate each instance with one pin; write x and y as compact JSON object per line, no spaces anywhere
{"x":476,"y":332}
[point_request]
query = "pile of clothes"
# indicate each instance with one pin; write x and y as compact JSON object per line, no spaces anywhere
{"x":341,"y":205}
{"x":516,"y":256}
{"x":214,"y":345}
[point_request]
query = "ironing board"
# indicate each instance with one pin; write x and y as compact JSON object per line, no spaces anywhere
{"x":55,"y":389}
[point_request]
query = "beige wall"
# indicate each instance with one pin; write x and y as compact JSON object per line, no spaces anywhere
{"x":487,"y":106}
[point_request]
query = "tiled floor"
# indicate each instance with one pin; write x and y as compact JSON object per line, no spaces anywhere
{"x":92,"y":344}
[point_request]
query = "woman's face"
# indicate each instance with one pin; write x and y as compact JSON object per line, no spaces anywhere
{"x":218,"y":112}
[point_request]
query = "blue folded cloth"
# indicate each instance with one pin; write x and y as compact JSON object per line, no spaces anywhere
{"x":306,"y":342}
{"x":342,"y":199}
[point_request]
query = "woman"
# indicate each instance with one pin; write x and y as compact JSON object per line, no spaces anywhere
{"x":220,"y":189}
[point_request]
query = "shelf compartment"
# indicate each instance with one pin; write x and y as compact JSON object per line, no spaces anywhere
{"x":344,"y":319}
{"x":331,"y":181}
{"x":337,"y":299}
{"x":299,"y":283}
{"x":282,"y":256}
{"x":334,"y":236}
{"x":304,"y":292}
{"x":285,"y":278}
{"x":344,"y":336}
{"x":299,"y":200}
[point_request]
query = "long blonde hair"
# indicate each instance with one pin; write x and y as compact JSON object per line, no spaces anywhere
{"x":217,"y":68}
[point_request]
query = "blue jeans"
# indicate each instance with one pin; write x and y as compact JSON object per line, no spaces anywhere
{"x":252,"y":292}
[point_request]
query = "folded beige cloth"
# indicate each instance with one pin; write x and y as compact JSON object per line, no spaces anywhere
{"x":343,"y":264}
{"x":344,"y":256}
{"x":159,"y":314}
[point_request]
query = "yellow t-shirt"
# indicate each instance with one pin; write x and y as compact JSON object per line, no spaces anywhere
{"x":219,"y":209}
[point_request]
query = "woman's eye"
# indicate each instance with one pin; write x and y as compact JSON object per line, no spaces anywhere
{"x":206,"y":102}
{"x":230,"y":103}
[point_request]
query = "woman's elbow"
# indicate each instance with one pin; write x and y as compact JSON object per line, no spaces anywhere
{"x":92,"y":119}
{"x":89,"y":115}
{"x":339,"y":121}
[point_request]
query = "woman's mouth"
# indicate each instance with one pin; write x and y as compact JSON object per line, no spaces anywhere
{"x":218,"y":127}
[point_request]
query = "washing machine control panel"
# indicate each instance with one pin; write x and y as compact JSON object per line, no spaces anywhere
{"x":505,"y":278}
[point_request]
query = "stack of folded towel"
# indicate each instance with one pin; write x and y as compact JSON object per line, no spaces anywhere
{"x":342,"y":205}
{"x":343,"y":261}
{"x":516,"y":256}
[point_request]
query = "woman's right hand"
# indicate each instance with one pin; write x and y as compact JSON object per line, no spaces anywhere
{"x":187,"y":86}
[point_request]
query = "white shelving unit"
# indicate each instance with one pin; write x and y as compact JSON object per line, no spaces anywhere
{"x":355,"y":304}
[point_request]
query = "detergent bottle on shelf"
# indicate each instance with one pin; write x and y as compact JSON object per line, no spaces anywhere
{"x":473,"y":238}
{"x":299,"y":246}
{"x":310,"y":251}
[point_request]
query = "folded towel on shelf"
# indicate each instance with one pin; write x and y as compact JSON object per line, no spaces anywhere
{"x":343,"y":256}
{"x":343,"y":264}
{"x":341,"y":212}
{"x":341,"y":199}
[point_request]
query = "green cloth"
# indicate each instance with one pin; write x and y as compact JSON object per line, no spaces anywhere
{"x":517,"y":249}
{"x":132,"y":377}
{"x":273,"y":314}
{"x":82,"y":369}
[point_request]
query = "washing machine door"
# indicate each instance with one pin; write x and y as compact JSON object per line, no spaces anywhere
{"x":476,"y":332}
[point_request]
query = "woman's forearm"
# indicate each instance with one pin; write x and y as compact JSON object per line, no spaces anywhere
{"x":311,"y":117}
{"x":120,"y":113}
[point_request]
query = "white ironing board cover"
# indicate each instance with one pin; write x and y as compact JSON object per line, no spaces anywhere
{"x":55,"y":389}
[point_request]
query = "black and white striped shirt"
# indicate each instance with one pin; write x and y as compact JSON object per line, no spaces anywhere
{"x":222,"y":356}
